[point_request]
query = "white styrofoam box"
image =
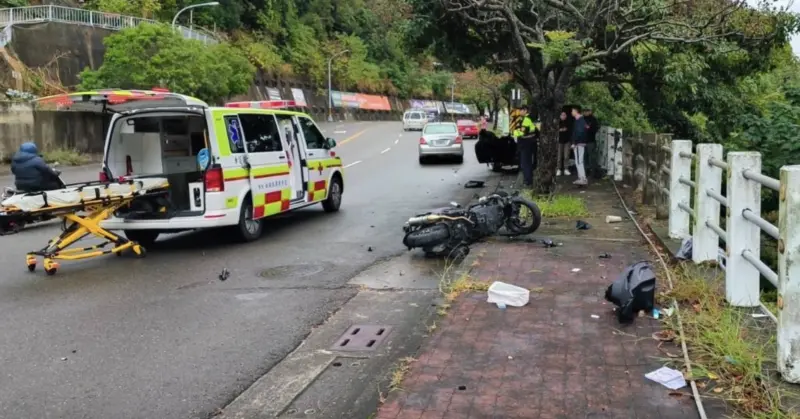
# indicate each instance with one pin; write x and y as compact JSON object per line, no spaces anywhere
{"x":510,"y":295}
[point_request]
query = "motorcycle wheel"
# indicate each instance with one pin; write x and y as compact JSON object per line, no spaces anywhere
{"x":526,"y":216}
{"x":430,"y":236}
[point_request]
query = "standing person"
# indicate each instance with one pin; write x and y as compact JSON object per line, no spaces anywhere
{"x":592,"y":126}
{"x":579,"y":132}
{"x":526,"y":138}
{"x":564,"y":140}
{"x":484,"y":123}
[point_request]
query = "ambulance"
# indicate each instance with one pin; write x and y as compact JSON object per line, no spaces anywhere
{"x":229,"y":166}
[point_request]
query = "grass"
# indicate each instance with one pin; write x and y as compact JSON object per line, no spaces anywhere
{"x":66,"y":157}
{"x":554,"y":206}
{"x":731,"y":356}
{"x":399,"y":373}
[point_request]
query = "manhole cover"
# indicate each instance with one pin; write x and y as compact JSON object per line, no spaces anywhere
{"x":279,"y":272}
{"x":362,"y":338}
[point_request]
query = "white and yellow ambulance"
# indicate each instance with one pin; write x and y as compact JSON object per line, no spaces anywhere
{"x":228,"y":166}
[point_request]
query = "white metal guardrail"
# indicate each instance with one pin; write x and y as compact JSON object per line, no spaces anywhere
{"x":742,"y":233}
{"x":111,"y":21}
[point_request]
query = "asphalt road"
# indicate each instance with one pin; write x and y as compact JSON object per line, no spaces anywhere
{"x":162,"y":337}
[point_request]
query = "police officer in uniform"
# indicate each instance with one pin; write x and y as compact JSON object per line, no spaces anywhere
{"x":526,"y":135}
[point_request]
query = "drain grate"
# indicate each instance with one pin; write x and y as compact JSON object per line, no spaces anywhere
{"x":362,"y":338}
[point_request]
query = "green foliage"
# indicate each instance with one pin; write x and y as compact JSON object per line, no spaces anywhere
{"x":295,"y":38}
{"x":153,"y":55}
{"x":625,"y":113}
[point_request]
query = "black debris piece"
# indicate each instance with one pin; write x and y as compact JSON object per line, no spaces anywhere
{"x":582,"y":225}
{"x":474,"y":184}
{"x":224,"y":274}
{"x":604,"y":256}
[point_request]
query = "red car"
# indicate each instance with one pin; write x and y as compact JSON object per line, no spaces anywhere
{"x":468,"y":128}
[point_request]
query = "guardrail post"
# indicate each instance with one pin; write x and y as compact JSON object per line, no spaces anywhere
{"x":705,"y":241}
{"x":678,"y":192}
{"x":49,"y":12}
{"x":742,"y":286}
{"x":789,"y":275}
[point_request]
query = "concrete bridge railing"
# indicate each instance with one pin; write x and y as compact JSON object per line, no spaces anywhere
{"x":686,"y":182}
{"x":111,"y":21}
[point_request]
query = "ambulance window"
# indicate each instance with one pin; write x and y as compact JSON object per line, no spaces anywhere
{"x":314,"y":138}
{"x":261,"y":133}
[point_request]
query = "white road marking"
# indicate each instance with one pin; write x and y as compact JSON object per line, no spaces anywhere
{"x":340,"y":132}
{"x":384,"y":151}
{"x":396,"y":141}
{"x":353,"y":164}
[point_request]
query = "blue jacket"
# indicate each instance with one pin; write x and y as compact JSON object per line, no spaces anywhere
{"x":579,"y":131}
{"x":30,"y":171}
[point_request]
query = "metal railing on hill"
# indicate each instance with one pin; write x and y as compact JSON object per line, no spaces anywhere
{"x":686,"y":180}
{"x":110,"y":21}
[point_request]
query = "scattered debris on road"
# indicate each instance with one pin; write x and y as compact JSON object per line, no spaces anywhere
{"x":613,"y":219}
{"x":633,"y":291}
{"x":369,"y":248}
{"x":685,"y":252}
{"x":582,"y":225}
{"x":669,"y":378}
{"x":474,"y":184}
{"x":604,"y":256}
{"x":504,"y":294}
{"x":223,"y":276}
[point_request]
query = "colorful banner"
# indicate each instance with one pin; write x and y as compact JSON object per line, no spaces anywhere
{"x":344,"y":99}
{"x":456,"y":108}
{"x":360,"y":101}
{"x":299,"y":97}
{"x":426,"y":105}
{"x":373,"y":103}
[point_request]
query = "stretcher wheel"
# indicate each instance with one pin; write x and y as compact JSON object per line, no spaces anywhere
{"x":50,"y":267}
{"x":139,"y":251}
{"x":30,"y":261}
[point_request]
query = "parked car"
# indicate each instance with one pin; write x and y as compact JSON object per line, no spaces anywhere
{"x":441,"y":139}
{"x":468,"y":128}
{"x":414,"y":120}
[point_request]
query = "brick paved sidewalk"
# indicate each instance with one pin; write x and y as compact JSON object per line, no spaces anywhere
{"x":563,"y":355}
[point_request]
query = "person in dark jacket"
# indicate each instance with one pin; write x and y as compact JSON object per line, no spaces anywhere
{"x":579,"y":132}
{"x":592,"y":126}
{"x":564,"y":151}
{"x":31,"y":173}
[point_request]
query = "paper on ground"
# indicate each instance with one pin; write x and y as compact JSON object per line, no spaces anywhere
{"x":669,"y":378}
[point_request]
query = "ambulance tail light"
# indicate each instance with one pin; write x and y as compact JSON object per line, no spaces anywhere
{"x":103,"y":177}
{"x":214,"y":180}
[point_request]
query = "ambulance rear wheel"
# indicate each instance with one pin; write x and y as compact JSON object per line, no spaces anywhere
{"x":248,"y":229}
{"x":144,"y":237}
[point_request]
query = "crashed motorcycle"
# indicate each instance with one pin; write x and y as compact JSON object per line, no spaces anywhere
{"x":449,"y":231}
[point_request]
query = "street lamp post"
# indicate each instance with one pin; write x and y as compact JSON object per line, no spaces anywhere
{"x":194,"y":6}
{"x":452,"y":97}
{"x":330,"y":96}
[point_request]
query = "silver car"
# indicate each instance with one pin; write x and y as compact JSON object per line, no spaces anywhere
{"x":414,"y":120}
{"x":441,"y":139}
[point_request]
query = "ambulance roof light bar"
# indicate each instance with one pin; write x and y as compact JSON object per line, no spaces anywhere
{"x":263,"y":104}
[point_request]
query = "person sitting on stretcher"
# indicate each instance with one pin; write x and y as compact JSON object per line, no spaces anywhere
{"x":31,"y":173}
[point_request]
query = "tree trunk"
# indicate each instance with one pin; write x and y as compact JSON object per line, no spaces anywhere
{"x":547,"y":155}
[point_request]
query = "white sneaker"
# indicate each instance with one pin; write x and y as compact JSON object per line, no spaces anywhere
{"x":566,"y":172}
{"x":558,"y":173}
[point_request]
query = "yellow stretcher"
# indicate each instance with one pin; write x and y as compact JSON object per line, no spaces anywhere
{"x":82,"y":208}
